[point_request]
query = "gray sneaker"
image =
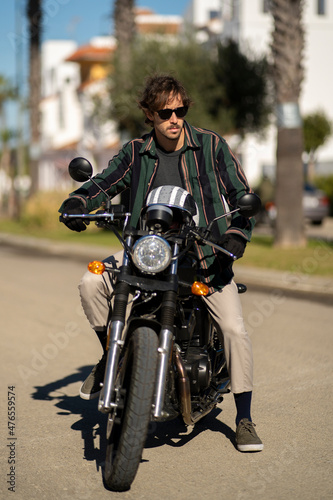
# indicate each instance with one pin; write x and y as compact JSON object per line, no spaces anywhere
{"x":91,"y":387}
{"x":246,"y":437}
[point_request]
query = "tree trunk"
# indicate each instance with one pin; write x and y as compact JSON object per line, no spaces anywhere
{"x":289,"y":229}
{"x":124,"y":32}
{"x":287,"y":48}
{"x":34,"y":14}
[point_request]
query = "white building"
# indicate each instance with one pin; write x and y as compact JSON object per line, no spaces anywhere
{"x":61,"y":119}
{"x":72,"y":77}
{"x":157,"y":26}
{"x":250,"y":23}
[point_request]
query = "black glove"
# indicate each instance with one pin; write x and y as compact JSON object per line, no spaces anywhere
{"x":234,"y":244}
{"x":74,"y":206}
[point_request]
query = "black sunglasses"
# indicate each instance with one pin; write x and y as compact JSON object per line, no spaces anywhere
{"x":165,"y":114}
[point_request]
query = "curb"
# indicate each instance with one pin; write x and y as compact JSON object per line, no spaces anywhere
{"x":307,"y":286}
{"x":42,"y":246}
{"x":300,"y":285}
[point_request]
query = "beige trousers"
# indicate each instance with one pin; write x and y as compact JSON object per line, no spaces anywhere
{"x":224,"y":307}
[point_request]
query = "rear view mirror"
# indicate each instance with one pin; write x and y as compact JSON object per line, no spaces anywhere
{"x":80,"y":169}
{"x":249,"y":205}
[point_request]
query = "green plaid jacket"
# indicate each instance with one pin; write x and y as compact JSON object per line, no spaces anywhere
{"x":209,"y":171}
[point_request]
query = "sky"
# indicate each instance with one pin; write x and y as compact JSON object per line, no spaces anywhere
{"x":77,"y":20}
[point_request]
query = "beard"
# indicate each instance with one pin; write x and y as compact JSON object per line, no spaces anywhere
{"x":173,"y":133}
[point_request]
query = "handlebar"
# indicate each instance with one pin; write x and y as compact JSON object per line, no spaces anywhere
{"x":219,"y":248}
{"x":97,"y":216}
{"x":112,"y":217}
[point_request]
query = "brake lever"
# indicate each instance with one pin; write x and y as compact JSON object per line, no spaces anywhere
{"x":200,"y":238}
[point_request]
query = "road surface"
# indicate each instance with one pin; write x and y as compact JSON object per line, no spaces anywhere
{"x":55,"y":450}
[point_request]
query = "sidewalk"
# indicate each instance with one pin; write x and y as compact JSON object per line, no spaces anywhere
{"x":312,"y":286}
{"x":83,"y":253}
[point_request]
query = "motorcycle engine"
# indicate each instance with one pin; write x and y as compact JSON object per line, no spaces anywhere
{"x":198,"y":368}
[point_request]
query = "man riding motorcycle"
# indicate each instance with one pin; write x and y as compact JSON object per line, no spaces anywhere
{"x":200,"y":161}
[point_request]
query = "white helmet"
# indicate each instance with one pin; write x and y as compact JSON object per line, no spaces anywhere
{"x":174,"y":197}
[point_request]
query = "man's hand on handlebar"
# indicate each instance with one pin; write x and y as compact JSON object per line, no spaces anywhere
{"x":234,"y":244}
{"x":72,"y":207}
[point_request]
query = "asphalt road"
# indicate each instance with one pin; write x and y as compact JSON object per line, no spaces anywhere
{"x":55,"y":450}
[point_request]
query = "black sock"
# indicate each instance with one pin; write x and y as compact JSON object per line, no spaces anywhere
{"x":243,"y":406}
{"x":102,"y":334}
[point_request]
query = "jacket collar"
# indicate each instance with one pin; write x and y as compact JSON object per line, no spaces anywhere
{"x":191,"y":142}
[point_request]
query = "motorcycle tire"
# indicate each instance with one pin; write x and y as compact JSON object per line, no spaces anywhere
{"x":128,"y":424}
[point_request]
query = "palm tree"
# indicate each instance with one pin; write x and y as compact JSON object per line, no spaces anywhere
{"x":7,"y":92}
{"x":124,"y":20}
{"x":287,"y":51}
{"x":34,"y":15}
{"x":124,"y":33}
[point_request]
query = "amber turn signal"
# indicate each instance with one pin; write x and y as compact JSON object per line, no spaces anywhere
{"x":96,"y":267}
{"x":199,"y":288}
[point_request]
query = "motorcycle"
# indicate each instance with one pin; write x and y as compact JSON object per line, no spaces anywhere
{"x":164,"y":359}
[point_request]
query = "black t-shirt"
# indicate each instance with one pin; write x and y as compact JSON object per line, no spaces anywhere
{"x":168,"y":168}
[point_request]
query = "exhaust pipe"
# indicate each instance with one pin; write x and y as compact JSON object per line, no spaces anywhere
{"x":184,"y":390}
{"x":189,"y":417}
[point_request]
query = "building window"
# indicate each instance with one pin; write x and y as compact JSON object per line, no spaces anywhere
{"x":321,"y":7}
{"x":266,"y":6}
{"x":214,"y":14}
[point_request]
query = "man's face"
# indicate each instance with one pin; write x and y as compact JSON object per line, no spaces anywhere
{"x":169,"y":133}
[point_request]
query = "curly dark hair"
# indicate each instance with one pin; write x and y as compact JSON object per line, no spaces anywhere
{"x":157,"y":92}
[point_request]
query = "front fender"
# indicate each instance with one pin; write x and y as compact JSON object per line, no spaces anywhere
{"x":135,"y":323}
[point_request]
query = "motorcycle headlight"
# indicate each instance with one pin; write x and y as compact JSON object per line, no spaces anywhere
{"x":151,"y":254}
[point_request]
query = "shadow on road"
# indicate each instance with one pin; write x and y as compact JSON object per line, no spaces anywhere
{"x":175,"y":433}
{"x":92,"y":423}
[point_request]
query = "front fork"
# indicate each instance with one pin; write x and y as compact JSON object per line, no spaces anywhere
{"x":166,"y":341}
{"x":107,"y":396}
{"x":106,"y":404}
{"x":164,"y":351}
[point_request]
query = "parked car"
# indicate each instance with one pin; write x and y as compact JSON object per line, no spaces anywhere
{"x":315,"y":206}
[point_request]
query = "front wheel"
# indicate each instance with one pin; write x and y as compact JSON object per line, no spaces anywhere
{"x":128,"y":424}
